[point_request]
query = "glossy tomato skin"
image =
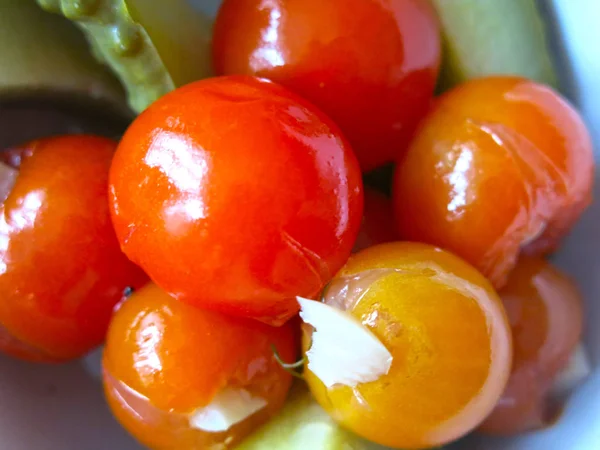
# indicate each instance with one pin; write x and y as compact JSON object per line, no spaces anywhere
{"x":371,"y":65}
{"x":500,"y":165}
{"x":378,"y":221}
{"x":448,"y":335}
{"x":236,"y":195}
{"x":62,"y":268}
{"x":545,"y":310}
{"x":164,"y":360}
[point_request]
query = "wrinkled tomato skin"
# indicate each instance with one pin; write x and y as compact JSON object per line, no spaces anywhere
{"x":545,"y":310}
{"x":500,"y":166}
{"x":236,"y":195}
{"x":371,"y":65}
{"x":62,"y":268}
{"x":165,"y":359}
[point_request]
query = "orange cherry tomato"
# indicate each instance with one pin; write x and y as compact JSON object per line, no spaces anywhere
{"x":165,"y":360}
{"x":448,"y":335}
{"x":378,"y":221}
{"x":546,"y":315}
{"x":500,"y":165}
{"x":62,"y":270}
{"x":371,"y":65}
{"x":236,"y":195}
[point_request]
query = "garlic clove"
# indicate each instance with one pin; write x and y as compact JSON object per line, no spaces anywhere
{"x":228,"y":407}
{"x":343,"y":351}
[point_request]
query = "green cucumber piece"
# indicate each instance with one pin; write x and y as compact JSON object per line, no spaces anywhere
{"x":486,"y":37}
{"x":304,"y":425}
{"x":49,"y":82}
{"x":44,"y":57}
{"x":153,"y":46}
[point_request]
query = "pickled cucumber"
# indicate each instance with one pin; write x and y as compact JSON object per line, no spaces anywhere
{"x":46,"y":57}
{"x":152,"y":45}
{"x":484,"y":37}
{"x":304,"y":425}
{"x":49,"y":82}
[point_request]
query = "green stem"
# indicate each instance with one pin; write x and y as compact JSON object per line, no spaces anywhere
{"x":289,"y":367}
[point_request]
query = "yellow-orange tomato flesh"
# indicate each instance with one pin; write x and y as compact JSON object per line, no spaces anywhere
{"x":545,"y":312}
{"x":165,"y":359}
{"x":500,"y":164}
{"x":447,"y":332}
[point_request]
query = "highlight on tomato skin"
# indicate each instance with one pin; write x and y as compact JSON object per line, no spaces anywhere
{"x":545,"y":310}
{"x":500,"y":166}
{"x":62,"y":268}
{"x":378,"y":221}
{"x":448,"y":335}
{"x":235,"y":194}
{"x":371,"y":65}
{"x":166,"y":364}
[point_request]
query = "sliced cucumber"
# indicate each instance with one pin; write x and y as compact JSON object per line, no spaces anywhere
{"x":43,"y":57}
{"x":304,"y":425}
{"x":152,"y":45}
{"x":485,"y":37}
{"x":49,"y":82}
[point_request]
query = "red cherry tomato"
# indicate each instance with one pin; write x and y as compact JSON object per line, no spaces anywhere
{"x":236,"y":195}
{"x":371,"y":65}
{"x":546,"y":316}
{"x":62,"y":270}
{"x":378,"y":221}
{"x":165,"y":361}
{"x":500,"y":165}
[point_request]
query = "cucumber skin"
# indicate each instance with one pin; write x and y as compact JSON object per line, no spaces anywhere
{"x":43,"y":57}
{"x":513,"y":31}
{"x":123,"y":44}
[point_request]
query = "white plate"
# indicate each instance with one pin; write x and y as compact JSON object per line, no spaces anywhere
{"x":62,"y":408}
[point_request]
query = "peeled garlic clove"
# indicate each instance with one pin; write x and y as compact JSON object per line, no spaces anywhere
{"x":228,"y":407}
{"x":343,"y":351}
{"x":576,"y":371}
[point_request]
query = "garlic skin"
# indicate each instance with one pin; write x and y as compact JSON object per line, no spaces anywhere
{"x":574,"y":373}
{"x":228,"y":407}
{"x":343,"y":351}
{"x":8,"y":178}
